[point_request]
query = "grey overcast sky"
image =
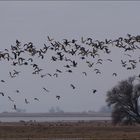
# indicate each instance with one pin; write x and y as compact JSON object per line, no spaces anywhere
{"x":34,"y":21}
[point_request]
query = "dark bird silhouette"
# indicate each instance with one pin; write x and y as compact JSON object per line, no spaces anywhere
{"x":45,"y":89}
{"x":129,"y":68}
{"x":43,"y":75}
{"x":2,"y":81}
{"x":89,"y":64}
{"x":58,"y":97}
{"x":74,"y":64}
{"x":72,"y":86}
{"x":40,"y":54}
{"x":18,"y":43}
{"x":57,"y":70}
{"x":123,"y":63}
{"x":67,"y":66}
{"x":11,"y":75}
{"x":99,"y":62}
{"x":30,"y":59}
{"x":15,"y":55}
{"x":66,"y":42}
{"x":84,"y":73}
{"x":114,"y":74}
{"x":2,"y":93}
{"x":97,"y":71}
{"x":82,"y":57}
{"x":133,"y":66}
{"x":94,"y":90}
{"x":20,"y":60}
{"x":70,"y":71}
{"x":82,"y":40}
{"x":36,"y":99}
{"x":14,"y":63}
{"x":73,"y":41}
{"x":17,"y":91}
{"x":50,"y":39}
{"x":37,"y":71}
{"x":55,"y":74}
{"x":10,"y":99}
{"x":26,"y":101}
{"x":109,"y":60}
{"x":16,"y":72}
{"x":54,"y":58}
{"x":61,"y":57}
{"x":15,"y":107}
{"x":35,"y":66}
{"x":49,"y":74}
{"x":107,"y":50}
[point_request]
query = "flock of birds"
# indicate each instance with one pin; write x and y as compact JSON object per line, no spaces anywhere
{"x":87,"y":51}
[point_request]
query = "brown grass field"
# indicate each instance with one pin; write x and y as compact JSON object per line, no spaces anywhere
{"x":91,"y":130}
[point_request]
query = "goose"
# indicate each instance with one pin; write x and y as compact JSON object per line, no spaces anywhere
{"x":26,"y":101}
{"x":94,"y":90}
{"x":15,"y":107}
{"x":2,"y":93}
{"x":72,"y":86}
{"x":2,"y":81}
{"x":36,"y":99}
{"x":45,"y":89}
{"x":10,"y":99}
{"x":58,"y":97}
{"x":114,"y":74}
{"x":84,"y":73}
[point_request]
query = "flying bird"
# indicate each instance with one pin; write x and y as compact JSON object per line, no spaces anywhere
{"x":70,"y":71}
{"x":2,"y":81}
{"x":114,"y":74}
{"x":84,"y":73}
{"x":10,"y":99}
{"x":36,"y":99}
{"x":58,"y":97}
{"x":17,"y":91}
{"x":43,"y":75}
{"x":72,"y":86}
{"x":15,"y":107}
{"x":94,"y":90}
{"x":50,"y":39}
{"x":26,"y":101}
{"x":45,"y":89}
{"x":57,"y":70}
{"x":2,"y":93}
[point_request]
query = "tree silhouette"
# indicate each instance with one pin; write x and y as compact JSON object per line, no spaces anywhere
{"x":124,"y":100}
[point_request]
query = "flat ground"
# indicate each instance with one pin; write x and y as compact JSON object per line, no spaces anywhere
{"x":92,"y":130}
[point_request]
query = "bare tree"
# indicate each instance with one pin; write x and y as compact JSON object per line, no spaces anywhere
{"x":124,"y":100}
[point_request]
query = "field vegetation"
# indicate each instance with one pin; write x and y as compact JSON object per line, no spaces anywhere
{"x":92,"y":130}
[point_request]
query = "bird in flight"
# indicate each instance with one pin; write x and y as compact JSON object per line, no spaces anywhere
{"x":94,"y":90}
{"x":2,"y":93}
{"x":114,"y":74}
{"x":58,"y":97}
{"x":84,"y":73}
{"x":10,"y":99}
{"x":15,"y":107}
{"x":36,"y":99}
{"x":45,"y":89}
{"x":2,"y":81}
{"x":26,"y":101}
{"x":17,"y":91}
{"x":72,"y":86}
{"x":43,"y":75}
